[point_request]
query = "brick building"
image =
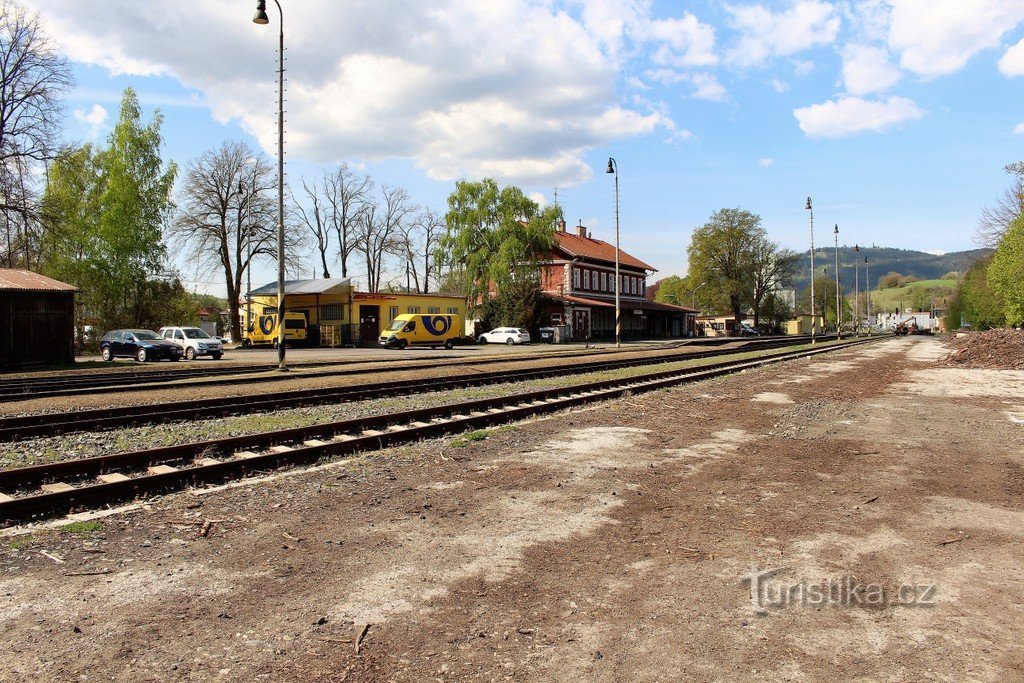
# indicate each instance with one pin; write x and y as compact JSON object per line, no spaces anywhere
{"x":578,"y":285}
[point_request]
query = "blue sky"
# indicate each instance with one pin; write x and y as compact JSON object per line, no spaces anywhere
{"x":896,"y":116}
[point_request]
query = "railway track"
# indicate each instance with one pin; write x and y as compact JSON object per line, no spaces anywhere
{"x":50,"y":424}
{"x":62,"y":487}
{"x":22,"y":388}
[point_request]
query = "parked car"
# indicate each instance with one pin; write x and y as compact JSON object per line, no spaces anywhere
{"x":505,"y":335}
{"x":142,"y":345}
{"x":748,"y":331}
{"x":194,"y":341}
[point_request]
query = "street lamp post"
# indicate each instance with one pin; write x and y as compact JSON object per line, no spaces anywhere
{"x":839,"y":308}
{"x":867,"y":288}
{"x":814,"y":322}
{"x":856,"y":289}
{"x":613,"y":168}
{"x":261,"y":18}
{"x":693,"y":298}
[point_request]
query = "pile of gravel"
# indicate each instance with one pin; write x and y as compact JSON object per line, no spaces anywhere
{"x":993,"y":349}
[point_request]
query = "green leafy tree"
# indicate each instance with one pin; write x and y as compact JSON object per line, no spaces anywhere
{"x":106,"y":209}
{"x":771,"y":267}
{"x":497,"y":236}
{"x":720,"y":255}
{"x":976,"y":302}
{"x":1006,"y":272}
{"x":825,"y":301}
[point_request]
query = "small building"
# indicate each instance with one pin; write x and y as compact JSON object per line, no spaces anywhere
{"x":804,"y":324}
{"x":578,"y":290}
{"x":717,"y":326}
{"x":337,"y":315}
{"x":37,"y":319}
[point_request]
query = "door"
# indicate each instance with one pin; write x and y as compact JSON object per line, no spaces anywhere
{"x":369,"y":325}
{"x":580,"y":325}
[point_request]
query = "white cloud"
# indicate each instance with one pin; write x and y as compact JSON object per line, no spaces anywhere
{"x":705,"y":85}
{"x":1019,"y":129}
{"x":937,"y":37}
{"x":779,"y":86}
{"x":518,"y":89}
{"x":805,"y":24}
{"x":765,"y":162}
{"x":94,"y":118}
{"x":1012,"y":63}
{"x":867,"y":70}
{"x":681,"y":42}
{"x":851,"y":115}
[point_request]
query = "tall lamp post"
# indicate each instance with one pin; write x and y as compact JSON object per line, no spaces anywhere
{"x":693,"y":297}
{"x":839,"y":308}
{"x":814,"y":321}
{"x":856,"y":289}
{"x":261,"y":18}
{"x":613,"y":168}
{"x":867,"y":289}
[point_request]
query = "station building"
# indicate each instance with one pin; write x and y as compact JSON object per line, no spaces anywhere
{"x":338,"y":315}
{"x":578,"y":288}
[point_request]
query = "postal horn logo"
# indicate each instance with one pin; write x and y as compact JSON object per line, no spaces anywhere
{"x":266,"y":324}
{"x":438,"y":325}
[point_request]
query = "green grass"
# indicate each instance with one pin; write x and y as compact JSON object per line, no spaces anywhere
{"x":470,"y":437}
{"x":889,"y":299}
{"x":82,"y":527}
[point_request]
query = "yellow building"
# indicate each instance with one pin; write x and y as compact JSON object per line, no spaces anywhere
{"x":802,"y":324}
{"x":339,"y":315}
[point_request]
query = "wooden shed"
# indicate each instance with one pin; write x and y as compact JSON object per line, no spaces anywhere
{"x":37,"y":319}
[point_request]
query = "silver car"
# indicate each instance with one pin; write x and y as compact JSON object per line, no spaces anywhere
{"x":194,"y":341}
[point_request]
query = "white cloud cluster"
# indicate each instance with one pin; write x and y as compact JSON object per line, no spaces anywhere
{"x":514,"y":88}
{"x":95,"y":118}
{"x":848,"y":115}
{"x":937,"y":37}
{"x":867,"y":69}
{"x":1012,"y":63}
{"x":766,"y":34}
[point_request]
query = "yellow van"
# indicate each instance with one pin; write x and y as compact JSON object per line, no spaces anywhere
{"x":414,"y":329}
{"x":263,"y":330}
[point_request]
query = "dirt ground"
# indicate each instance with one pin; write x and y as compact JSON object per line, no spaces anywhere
{"x":856,"y":516}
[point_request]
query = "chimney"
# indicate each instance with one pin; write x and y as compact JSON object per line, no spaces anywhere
{"x":581,"y":229}
{"x":561,"y":225}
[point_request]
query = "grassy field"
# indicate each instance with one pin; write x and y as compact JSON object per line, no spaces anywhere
{"x":923,"y":291}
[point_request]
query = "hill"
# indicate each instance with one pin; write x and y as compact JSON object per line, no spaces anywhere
{"x":917,"y":295}
{"x":882,"y":260}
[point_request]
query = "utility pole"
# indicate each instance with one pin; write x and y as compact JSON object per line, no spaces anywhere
{"x":814,"y":321}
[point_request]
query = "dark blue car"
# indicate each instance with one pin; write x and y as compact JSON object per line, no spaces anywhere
{"x":142,"y":345}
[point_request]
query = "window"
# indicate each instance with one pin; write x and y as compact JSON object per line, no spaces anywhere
{"x":452,"y":310}
{"x":270,"y":310}
{"x":413,"y":309}
{"x":393,"y":312}
{"x":332,"y":312}
{"x":586,"y":279}
{"x":575,"y":278}
{"x":434,"y":309}
{"x":604,"y":281}
{"x":556,"y":318}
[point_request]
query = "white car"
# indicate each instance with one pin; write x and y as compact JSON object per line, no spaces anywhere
{"x":505,"y":335}
{"x":195,"y":342}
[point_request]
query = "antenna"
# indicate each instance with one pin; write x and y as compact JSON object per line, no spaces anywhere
{"x":556,"y":194}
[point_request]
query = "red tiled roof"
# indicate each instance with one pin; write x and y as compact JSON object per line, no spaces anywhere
{"x":27,"y":281}
{"x":599,"y":250}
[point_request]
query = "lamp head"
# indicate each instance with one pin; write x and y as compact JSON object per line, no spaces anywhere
{"x":261,"y":13}
{"x":808,"y":207}
{"x":611,"y":165}
{"x":836,"y":231}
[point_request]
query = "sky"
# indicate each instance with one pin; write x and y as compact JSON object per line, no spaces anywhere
{"x":895,"y":116}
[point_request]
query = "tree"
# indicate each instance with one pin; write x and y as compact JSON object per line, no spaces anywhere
{"x":380,"y":222}
{"x":976,"y":302}
{"x":417,"y":242}
{"x":496,"y":235}
{"x":33,"y":78}
{"x":1006,"y":272}
{"x":346,"y":193}
{"x":995,"y":220}
{"x":316,"y":219}
{"x":720,"y":254}
{"x":228,"y":217}
{"x":105,"y":211}
{"x":770,"y":268}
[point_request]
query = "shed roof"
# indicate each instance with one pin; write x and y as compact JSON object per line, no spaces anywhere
{"x":322,"y":286}
{"x":27,"y":281}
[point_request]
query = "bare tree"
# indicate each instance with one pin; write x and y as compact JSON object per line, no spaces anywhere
{"x":317,"y":220}
{"x":228,"y":217}
{"x":996,"y":219}
{"x":345,"y":193}
{"x":379,"y":226}
{"x":417,"y":241}
{"x":33,"y":77}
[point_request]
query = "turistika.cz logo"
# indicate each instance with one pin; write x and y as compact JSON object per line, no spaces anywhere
{"x":840,"y":591}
